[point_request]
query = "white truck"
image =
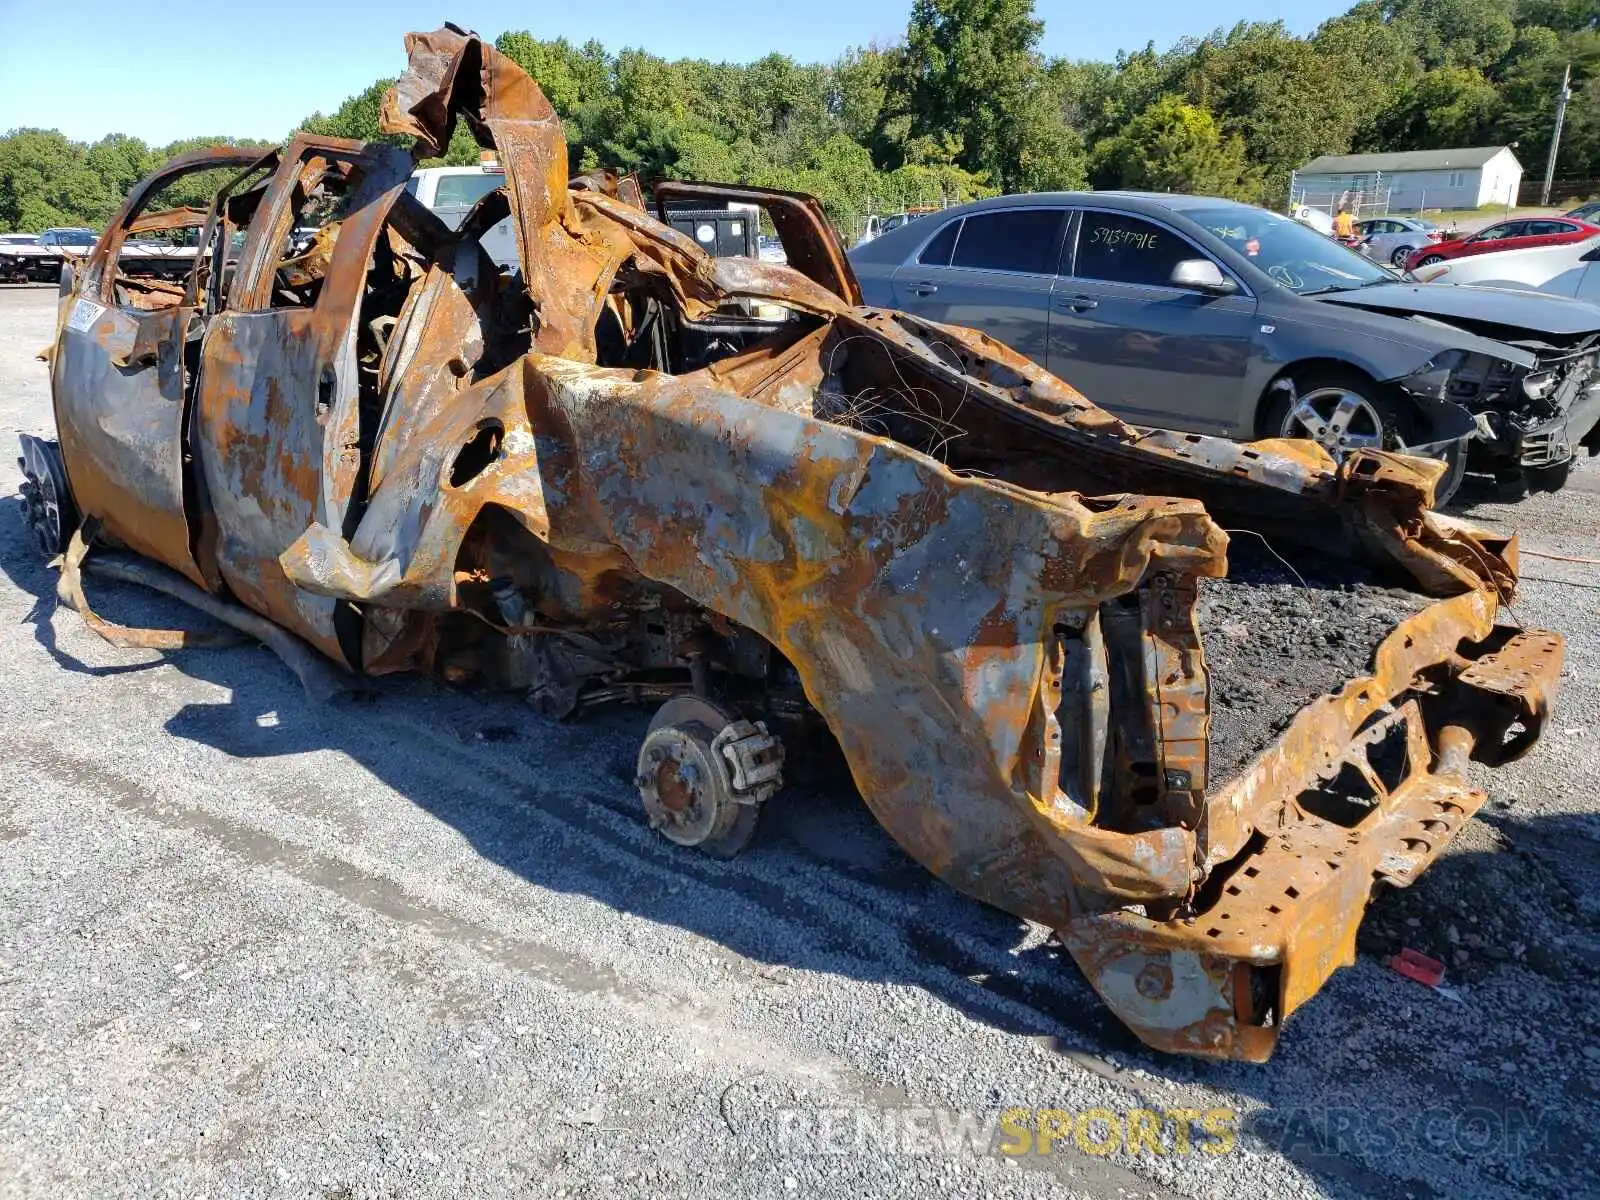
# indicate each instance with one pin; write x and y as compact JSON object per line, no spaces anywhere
{"x":24,"y":259}
{"x":452,"y":191}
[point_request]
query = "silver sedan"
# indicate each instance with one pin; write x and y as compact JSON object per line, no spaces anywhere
{"x":1392,"y":239}
{"x":1572,"y":269}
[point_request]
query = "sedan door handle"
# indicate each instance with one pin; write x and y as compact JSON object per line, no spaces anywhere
{"x":923,"y":287}
{"x":1078,"y":303}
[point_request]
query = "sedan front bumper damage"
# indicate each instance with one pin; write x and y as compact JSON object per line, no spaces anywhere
{"x":1558,"y":439}
{"x":898,"y":534}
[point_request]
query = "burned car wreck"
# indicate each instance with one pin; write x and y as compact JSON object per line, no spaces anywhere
{"x":616,"y":476}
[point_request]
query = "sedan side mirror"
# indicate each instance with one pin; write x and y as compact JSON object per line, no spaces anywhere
{"x":1202,"y":275}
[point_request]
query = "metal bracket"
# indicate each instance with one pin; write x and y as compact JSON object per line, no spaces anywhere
{"x":755,"y":758}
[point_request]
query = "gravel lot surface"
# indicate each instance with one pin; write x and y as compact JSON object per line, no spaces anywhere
{"x":425,"y":945}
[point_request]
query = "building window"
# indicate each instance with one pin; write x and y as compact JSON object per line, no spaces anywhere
{"x":1458,"y":179}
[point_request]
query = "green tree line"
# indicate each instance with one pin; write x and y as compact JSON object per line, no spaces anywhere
{"x":966,"y":105}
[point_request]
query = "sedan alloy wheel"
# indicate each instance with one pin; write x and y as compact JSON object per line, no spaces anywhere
{"x":1339,"y":420}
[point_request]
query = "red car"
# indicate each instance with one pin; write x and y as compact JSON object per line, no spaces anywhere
{"x":1516,"y":234}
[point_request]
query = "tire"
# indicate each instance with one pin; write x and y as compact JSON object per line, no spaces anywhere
{"x":47,"y":508}
{"x":1399,"y":257}
{"x":1373,"y":420}
{"x":1428,"y":260}
{"x":1383,"y":425}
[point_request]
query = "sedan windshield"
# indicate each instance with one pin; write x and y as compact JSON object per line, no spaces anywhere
{"x":1295,"y":255}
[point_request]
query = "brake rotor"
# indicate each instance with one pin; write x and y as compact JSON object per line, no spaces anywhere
{"x":686,"y":786}
{"x":47,"y":508}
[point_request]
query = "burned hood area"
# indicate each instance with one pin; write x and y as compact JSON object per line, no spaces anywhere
{"x":633,"y":472}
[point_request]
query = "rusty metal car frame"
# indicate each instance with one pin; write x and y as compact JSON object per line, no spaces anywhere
{"x":601,"y":479}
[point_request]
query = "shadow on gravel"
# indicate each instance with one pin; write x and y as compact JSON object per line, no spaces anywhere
{"x":1479,"y":490}
{"x":1378,"y":1087}
{"x":822,"y":888}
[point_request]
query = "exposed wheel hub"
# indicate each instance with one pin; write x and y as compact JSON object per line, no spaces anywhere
{"x":676,"y":783}
{"x":703,"y":772}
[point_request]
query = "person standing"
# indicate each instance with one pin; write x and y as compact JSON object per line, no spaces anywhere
{"x":1344,"y":225}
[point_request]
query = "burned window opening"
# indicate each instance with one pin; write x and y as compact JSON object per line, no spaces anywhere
{"x":318,"y":206}
{"x":160,"y":260}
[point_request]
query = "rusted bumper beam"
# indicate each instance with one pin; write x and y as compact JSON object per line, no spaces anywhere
{"x":1272,"y":923}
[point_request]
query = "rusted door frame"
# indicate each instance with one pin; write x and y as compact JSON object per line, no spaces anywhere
{"x":277,"y":416}
{"x":808,"y":240}
{"x":110,"y":243}
{"x":126,"y":456}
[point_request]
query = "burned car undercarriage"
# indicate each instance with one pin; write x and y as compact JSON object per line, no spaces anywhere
{"x":616,"y":476}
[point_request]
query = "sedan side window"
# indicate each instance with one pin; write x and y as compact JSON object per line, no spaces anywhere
{"x":937,"y":252}
{"x":1122,"y":249}
{"x":1542,"y":228}
{"x":1022,"y":240}
{"x":1496,"y":233}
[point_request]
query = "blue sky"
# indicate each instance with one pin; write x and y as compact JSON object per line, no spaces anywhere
{"x":253,"y":70}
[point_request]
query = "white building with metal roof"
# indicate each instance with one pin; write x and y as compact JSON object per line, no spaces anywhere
{"x":1410,"y":180}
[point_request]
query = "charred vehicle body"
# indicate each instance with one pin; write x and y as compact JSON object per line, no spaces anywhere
{"x":602,"y":478}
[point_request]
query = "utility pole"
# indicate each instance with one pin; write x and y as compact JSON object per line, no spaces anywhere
{"x":1555,"y":137}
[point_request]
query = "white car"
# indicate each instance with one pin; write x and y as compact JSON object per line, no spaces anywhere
{"x":877,"y":226}
{"x":1393,"y":239}
{"x":1314,"y":217}
{"x":24,"y":260}
{"x":1566,"y":270}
